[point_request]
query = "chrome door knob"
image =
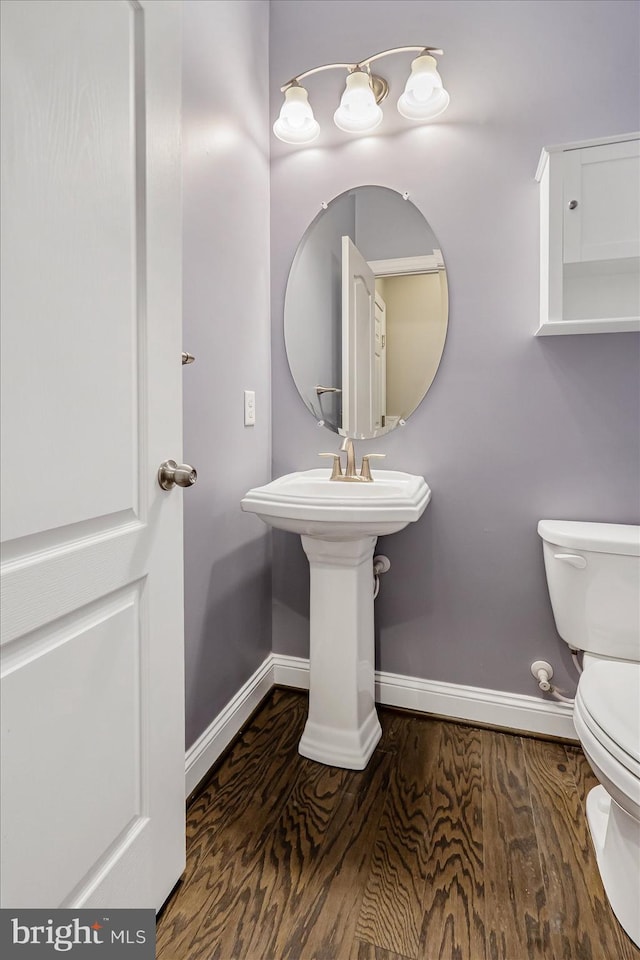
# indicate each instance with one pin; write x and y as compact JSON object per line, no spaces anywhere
{"x":173,"y":474}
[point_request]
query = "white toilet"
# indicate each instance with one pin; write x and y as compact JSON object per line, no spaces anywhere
{"x":593,"y":573}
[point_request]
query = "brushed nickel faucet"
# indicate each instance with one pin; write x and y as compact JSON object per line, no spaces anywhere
{"x":347,"y":447}
{"x":351,"y":474}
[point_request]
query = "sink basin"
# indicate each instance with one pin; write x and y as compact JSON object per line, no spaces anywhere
{"x":311,"y":504}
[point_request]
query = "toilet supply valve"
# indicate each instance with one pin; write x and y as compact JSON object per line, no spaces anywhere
{"x":542,"y":671}
{"x":381,"y":564}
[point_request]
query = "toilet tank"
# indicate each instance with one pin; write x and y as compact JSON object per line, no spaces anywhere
{"x":593,"y":574}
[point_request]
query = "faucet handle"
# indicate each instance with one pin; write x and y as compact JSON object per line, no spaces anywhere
{"x":365,"y":471}
{"x":337,"y":465}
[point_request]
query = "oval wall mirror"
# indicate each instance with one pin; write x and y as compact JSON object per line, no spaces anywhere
{"x":366,"y":312}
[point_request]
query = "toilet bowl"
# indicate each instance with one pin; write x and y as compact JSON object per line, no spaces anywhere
{"x":607,"y":721}
{"x":593,"y":574}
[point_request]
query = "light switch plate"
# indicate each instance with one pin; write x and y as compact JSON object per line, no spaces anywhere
{"x":249,"y":408}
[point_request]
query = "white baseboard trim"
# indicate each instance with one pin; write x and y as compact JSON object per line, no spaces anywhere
{"x":201,"y":756}
{"x":516,"y":711}
{"x":290,"y":671}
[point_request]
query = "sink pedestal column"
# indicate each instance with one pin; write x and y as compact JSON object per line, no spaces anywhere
{"x":342,"y":729}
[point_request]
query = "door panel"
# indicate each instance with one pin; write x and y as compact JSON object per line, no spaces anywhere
{"x":95,"y":660}
{"x":70,"y":256}
{"x":92,"y":658}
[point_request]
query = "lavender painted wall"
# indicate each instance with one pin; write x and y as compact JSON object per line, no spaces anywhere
{"x":514,"y":428}
{"x":226,"y":327}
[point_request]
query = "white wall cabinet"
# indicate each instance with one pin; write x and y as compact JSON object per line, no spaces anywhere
{"x":590,"y":236}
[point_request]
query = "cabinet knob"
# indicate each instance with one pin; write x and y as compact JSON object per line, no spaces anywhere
{"x":573,"y":204}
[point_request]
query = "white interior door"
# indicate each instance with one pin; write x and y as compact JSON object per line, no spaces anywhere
{"x":92,"y":631}
{"x":358,"y":342}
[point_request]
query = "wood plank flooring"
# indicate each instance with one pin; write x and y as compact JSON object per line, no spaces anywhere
{"x":454,"y":844}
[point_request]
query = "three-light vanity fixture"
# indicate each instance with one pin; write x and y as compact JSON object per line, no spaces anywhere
{"x":423,"y":98}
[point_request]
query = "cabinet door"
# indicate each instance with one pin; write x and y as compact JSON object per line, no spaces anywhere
{"x":602,"y":202}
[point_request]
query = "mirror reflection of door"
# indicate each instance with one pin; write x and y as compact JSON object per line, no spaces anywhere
{"x":380,"y":362}
{"x":389,"y":347}
{"x":415,"y":294}
{"x":361,"y":373}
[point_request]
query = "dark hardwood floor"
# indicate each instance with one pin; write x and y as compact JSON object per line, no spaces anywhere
{"x":455,"y":843}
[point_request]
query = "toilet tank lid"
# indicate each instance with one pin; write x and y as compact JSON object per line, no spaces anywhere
{"x":621,"y":538}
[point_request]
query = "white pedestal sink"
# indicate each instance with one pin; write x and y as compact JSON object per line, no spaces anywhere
{"x":339,"y":524}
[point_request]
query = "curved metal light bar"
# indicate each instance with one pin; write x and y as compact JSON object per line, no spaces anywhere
{"x":424,"y":96}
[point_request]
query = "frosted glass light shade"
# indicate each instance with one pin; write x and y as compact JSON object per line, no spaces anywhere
{"x":424,"y":96}
{"x":296,"y":123}
{"x":358,"y":110}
